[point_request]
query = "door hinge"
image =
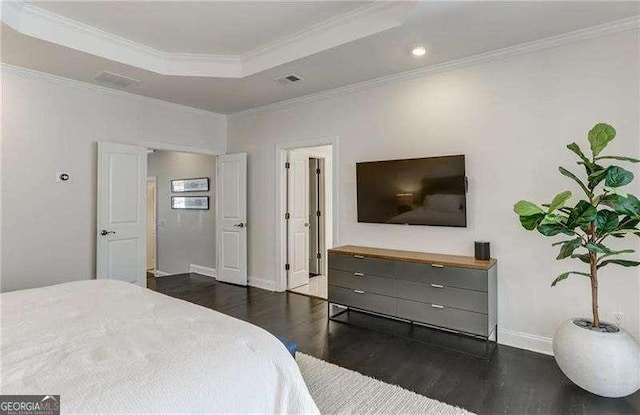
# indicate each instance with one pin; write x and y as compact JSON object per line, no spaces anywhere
{"x":286,"y":267}
{"x":318,"y":214}
{"x":287,"y":216}
{"x":319,"y":255}
{"x":287,"y":165}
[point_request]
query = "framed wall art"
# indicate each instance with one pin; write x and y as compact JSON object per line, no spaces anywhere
{"x":190,"y":202}
{"x":190,"y":185}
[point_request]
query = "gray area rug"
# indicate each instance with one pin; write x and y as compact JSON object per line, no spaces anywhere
{"x":337,"y":390}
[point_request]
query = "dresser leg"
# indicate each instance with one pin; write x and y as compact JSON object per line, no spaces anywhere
{"x":330,"y":309}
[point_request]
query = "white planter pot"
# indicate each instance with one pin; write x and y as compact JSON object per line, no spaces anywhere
{"x":606,"y":363}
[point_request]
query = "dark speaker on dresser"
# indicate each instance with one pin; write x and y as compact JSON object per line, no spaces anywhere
{"x":483,"y":250}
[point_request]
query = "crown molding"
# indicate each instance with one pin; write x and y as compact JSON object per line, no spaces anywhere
{"x":356,"y":24}
{"x":42,"y":24}
{"x":361,"y":22}
{"x":618,"y":26}
{"x":33,"y":74}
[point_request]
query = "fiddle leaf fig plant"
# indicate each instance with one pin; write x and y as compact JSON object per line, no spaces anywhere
{"x":605,"y":211}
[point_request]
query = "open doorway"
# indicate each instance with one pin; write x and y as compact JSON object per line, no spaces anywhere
{"x":181,"y":222}
{"x":309,"y":218}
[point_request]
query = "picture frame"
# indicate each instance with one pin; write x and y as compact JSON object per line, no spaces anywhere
{"x":199,"y":184}
{"x":190,"y":202}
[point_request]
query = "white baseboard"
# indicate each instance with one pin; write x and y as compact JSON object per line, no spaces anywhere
{"x":199,"y":269}
{"x":263,"y":283}
{"x":161,"y":273}
{"x":526,"y":341}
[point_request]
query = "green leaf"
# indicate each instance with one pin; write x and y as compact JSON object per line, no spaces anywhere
{"x":606,"y":221}
{"x":525,"y":208}
{"x":582,"y":214}
{"x":566,"y":250}
{"x":582,"y":257}
{"x":531,"y":222}
{"x":565,"y":275}
{"x":629,"y":205}
{"x":560,"y":277}
{"x":621,"y":158}
{"x":567,"y":173}
{"x":615,"y":190}
{"x":559,"y":200}
{"x":617,"y":177}
{"x":596,"y":177}
{"x":622,"y":262}
{"x":624,"y":251}
{"x":599,"y":136}
{"x":561,"y":242}
{"x":625,"y":231}
{"x":628,"y":223}
{"x":597,"y":248}
{"x":553,"y":218}
{"x":552,"y":229}
{"x":591,"y":168}
{"x":576,"y":149}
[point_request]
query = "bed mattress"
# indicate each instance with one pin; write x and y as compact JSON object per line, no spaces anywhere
{"x":111,"y":347}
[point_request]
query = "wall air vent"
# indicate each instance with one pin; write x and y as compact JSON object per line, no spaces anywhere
{"x":114,"y":80}
{"x":289,"y":79}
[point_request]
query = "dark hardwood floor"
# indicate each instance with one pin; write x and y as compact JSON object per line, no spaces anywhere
{"x":514,"y":381}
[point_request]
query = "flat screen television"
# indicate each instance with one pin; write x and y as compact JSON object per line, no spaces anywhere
{"x":422,"y":191}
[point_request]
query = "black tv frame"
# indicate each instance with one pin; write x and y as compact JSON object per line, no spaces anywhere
{"x":466,"y":190}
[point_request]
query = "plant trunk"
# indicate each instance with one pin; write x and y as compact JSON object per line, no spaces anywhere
{"x":593,"y":260}
{"x":594,"y":290}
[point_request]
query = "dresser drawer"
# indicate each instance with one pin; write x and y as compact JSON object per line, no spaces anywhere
{"x":363,"y":282}
{"x":433,"y":293}
{"x":358,"y":263}
{"x":471,"y":279}
{"x":450,"y":318}
{"x":362,"y":299}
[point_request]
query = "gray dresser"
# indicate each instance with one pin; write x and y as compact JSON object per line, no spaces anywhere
{"x":448,"y":291}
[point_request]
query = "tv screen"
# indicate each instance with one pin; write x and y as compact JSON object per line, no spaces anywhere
{"x":424,"y":191}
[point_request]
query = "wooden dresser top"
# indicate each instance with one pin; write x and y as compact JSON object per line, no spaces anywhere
{"x":420,"y":257}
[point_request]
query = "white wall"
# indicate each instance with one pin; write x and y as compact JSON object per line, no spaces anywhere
{"x":49,"y":125}
{"x":512,"y":119}
{"x":184,"y":237}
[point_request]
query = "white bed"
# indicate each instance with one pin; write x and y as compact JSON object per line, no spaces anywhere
{"x":111,"y":347}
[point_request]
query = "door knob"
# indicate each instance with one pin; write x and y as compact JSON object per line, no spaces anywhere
{"x":306,"y":224}
{"x":105,"y":232}
{"x":239,"y":225}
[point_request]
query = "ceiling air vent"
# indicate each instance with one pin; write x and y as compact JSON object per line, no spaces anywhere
{"x":114,"y":80}
{"x":289,"y":79}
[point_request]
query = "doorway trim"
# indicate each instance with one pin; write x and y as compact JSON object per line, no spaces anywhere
{"x":154,"y":180}
{"x":281,"y":199}
{"x":150,"y":145}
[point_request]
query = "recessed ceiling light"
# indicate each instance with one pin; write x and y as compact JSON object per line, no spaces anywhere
{"x":419,"y":51}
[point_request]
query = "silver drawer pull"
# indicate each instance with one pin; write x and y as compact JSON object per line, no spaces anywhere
{"x":359,"y":256}
{"x":437,"y":286}
{"x":358,"y":292}
{"x":436,"y":306}
{"x":437,"y":265}
{"x":358,"y":274}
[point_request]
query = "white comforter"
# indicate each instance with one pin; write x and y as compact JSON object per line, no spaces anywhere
{"x":111,"y":347}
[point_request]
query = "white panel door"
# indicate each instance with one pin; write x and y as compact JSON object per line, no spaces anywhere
{"x":298,"y":209}
{"x":121,"y":216}
{"x":231,"y":217}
